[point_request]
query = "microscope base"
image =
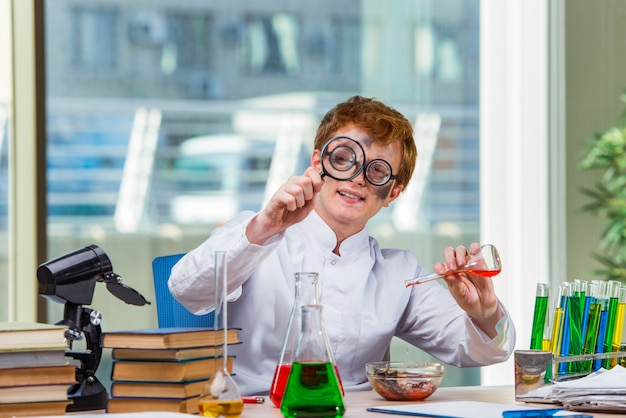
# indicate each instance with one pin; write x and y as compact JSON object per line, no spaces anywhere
{"x":88,"y":395}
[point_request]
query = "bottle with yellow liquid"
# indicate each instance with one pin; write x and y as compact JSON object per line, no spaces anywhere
{"x":220,"y":396}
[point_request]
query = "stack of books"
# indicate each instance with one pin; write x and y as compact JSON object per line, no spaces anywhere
{"x":34,"y":372}
{"x":164,"y":369}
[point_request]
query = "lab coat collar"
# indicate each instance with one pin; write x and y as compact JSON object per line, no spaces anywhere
{"x":352,"y":247}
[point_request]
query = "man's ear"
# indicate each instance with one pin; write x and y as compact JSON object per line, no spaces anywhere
{"x":316,"y":161}
{"x":393,"y":195}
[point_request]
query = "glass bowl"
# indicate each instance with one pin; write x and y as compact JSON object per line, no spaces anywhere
{"x":404,"y":381}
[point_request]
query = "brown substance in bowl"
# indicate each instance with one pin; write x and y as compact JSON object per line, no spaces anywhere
{"x":396,"y":386}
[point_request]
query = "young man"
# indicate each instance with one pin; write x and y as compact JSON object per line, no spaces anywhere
{"x":315,"y":222}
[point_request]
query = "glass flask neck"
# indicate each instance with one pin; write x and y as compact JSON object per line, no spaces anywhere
{"x":306,"y":290}
{"x":312,"y":342}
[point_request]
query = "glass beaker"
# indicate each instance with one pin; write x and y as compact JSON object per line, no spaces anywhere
{"x":313,"y":388}
{"x":305,"y":294}
{"x":220,"y":396}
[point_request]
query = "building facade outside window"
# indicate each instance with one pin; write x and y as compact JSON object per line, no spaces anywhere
{"x":136,"y":106}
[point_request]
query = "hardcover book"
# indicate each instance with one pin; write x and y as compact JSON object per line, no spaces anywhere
{"x":40,"y":356}
{"x":179,"y":390}
{"x":187,"y":406}
{"x":32,"y":409}
{"x":41,"y":375}
{"x":167,"y":371}
{"x":176,"y":337}
{"x":35,"y":393}
{"x":28,"y":335}
{"x":165,"y":354}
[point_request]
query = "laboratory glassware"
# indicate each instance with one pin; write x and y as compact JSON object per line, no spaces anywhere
{"x":220,"y":396}
{"x":305,"y":294}
{"x":485,"y":263}
{"x":313,"y":388}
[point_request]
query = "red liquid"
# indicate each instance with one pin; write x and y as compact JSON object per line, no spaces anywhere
{"x":343,"y":392}
{"x":484,"y":273}
{"x":281,"y":375}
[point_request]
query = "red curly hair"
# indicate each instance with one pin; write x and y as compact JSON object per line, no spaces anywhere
{"x":383,"y":124}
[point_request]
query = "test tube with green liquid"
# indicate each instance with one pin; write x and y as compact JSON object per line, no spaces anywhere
{"x":539,"y":316}
{"x":575,"y":310}
{"x":585,"y":303}
{"x":612,"y":291}
{"x":593,"y":320}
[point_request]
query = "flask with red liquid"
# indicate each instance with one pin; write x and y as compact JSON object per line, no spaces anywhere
{"x":313,"y":388}
{"x":305,"y":294}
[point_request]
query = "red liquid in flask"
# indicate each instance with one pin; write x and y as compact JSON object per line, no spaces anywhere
{"x":281,"y":375}
{"x":484,"y":273}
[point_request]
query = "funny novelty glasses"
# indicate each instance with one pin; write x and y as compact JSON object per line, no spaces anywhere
{"x":343,"y":159}
{"x":485,"y":263}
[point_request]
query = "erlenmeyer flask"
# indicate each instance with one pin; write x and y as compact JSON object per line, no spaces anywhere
{"x":313,"y":388}
{"x":305,"y":294}
{"x":220,"y":396}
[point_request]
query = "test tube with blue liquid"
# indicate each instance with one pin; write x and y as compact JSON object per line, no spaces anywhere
{"x":604,"y":315}
{"x":566,"y":292}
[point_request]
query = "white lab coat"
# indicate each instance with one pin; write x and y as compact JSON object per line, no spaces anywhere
{"x":365,"y":302}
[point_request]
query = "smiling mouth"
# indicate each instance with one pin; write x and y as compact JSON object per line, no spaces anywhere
{"x":350,"y":195}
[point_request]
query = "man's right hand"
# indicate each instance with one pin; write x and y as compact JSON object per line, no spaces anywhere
{"x":290,"y":204}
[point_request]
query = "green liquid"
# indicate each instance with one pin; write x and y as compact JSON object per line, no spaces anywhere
{"x":575,"y":330}
{"x":539,"y":321}
{"x":592,"y":332}
{"x":312,"y":391}
{"x":610,"y":328}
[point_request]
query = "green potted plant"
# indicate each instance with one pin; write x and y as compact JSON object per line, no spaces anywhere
{"x":607,"y":152}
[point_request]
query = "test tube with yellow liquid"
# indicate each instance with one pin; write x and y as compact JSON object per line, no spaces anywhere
{"x":619,"y":321}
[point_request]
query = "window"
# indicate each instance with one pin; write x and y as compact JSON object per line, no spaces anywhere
{"x":93,"y":38}
{"x":187,"y":47}
{"x":271,"y":44}
{"x":211,"y":103}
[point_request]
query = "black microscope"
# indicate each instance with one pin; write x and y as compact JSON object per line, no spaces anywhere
{"x":71,"y":279}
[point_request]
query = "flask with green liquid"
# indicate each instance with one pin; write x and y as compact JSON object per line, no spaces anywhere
{"x":313,"y":388}
{"x":305,"y":294}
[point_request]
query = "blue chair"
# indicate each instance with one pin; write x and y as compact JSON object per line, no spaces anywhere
{"x":170,"y":313}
